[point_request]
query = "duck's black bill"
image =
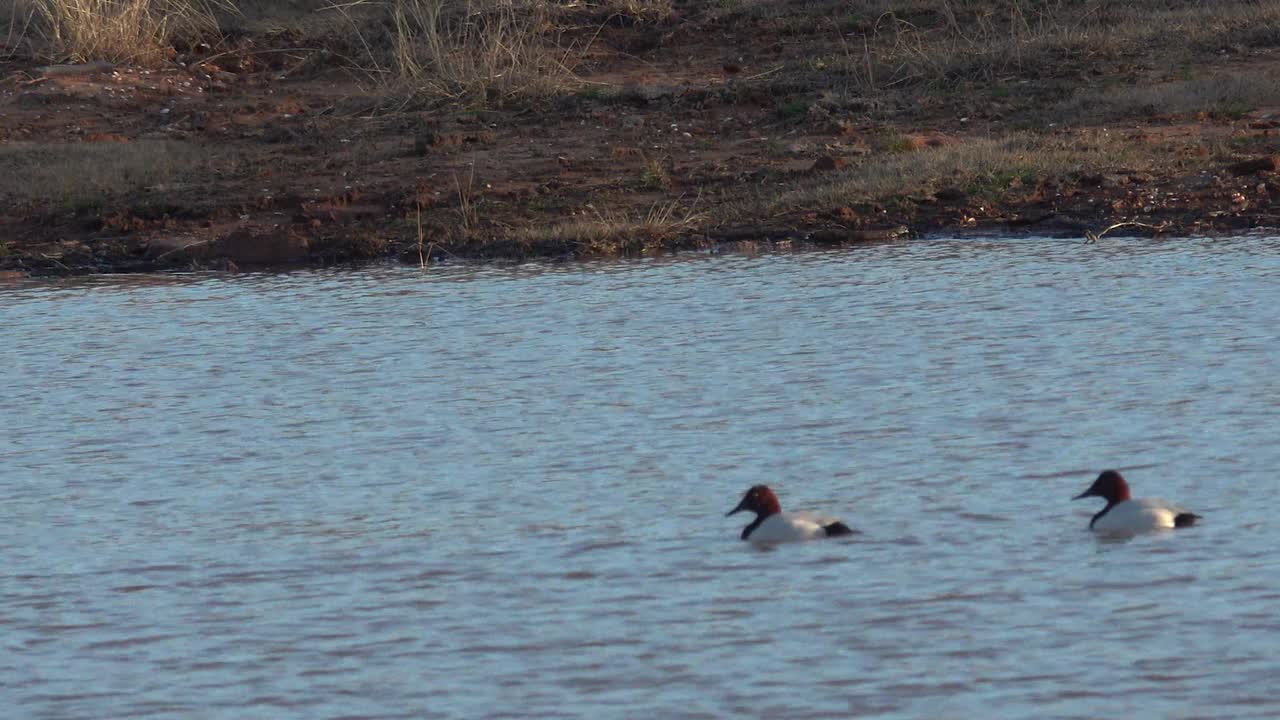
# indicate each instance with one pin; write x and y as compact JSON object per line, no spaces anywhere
{"x":737,"y":509}
{"x":1083,"y":495}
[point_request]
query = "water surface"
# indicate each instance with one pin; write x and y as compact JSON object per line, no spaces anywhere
{"x":499,"y":492}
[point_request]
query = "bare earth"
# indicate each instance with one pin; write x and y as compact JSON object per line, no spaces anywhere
{"x":269,"y":151}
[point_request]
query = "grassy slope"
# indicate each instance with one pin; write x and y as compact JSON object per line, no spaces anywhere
{"x":491,"y":129}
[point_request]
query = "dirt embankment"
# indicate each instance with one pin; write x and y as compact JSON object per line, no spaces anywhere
{"x":643,"y":127}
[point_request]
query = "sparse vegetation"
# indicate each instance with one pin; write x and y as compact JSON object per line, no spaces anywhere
{"x":478,"y":52}
{"x":1230,"y":96}
{"x":507,"y":128}
{"x":651,"y":12}
{"x":982,"y":168}
{"x":894,"y":43}
{"x":613,"y":233}
{"x":82,"y":175}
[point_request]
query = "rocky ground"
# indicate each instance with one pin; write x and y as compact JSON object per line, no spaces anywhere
{"x":709,"y":124}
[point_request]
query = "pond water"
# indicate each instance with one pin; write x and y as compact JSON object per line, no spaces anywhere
{"x":500,"y":492}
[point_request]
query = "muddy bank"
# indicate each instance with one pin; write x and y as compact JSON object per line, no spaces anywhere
{"x":270,"y":151}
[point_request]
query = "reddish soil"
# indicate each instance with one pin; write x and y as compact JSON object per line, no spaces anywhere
{"x":302,"y":163}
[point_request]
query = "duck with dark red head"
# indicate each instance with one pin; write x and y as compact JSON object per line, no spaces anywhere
{"x":774,"y":526}
{"x":1123,"y":514}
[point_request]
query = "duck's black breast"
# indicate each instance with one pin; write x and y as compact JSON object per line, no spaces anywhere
{"x":1100,"y":513}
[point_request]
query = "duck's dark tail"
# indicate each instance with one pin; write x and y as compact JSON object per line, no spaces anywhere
{"x":1185,"y":519}
{"x":838,"y":528}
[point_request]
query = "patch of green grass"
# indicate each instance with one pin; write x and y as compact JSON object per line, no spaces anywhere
{"x":792,"y":109}
{"x":996,"y":183}
{"x":857,"y":23}
{"x":1232,"y":110}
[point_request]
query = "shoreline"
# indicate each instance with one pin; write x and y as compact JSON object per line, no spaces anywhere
{"x":19,"y":266}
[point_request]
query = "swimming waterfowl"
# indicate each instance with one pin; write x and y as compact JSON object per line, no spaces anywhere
{"x":1127,"y":515}
{"x":774,"y":526}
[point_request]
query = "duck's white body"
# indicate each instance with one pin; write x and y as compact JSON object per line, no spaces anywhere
{"x":791,"y":527}
{"x":1139,"y":515}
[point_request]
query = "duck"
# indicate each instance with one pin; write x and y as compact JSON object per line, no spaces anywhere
{"x":774,"y":526}
{"x":1123,"y":514}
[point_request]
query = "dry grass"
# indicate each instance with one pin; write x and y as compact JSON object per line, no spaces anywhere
{"x":15,"y":26}
{"x":640,"y":12}
{"x":978,"y":167}
{"x":613,"y":233}
{"x":87,"y":174}
{"x":472,"y":52}
{"x":138,"y":32}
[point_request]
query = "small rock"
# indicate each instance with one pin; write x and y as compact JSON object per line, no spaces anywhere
{"x":652,"y":93}
{"x":827,"y":163}
{"x":879,"y":234}
{"x":273,"y":247}
{"x":278,"y":134}
{"x":828,"y":236}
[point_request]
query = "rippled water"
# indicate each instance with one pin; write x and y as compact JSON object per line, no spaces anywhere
{"x":475,"y":493}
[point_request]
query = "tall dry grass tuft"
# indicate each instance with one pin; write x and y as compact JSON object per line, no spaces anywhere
{"x":478,"y":51}
{"x":137,"y":32}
